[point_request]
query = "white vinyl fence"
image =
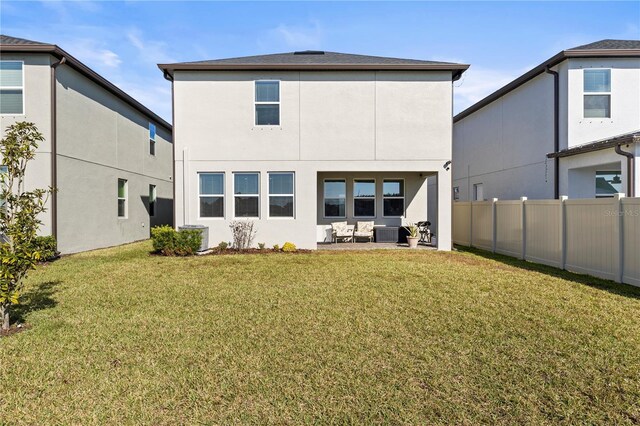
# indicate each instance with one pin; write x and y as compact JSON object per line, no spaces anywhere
{"x":599,"y":237}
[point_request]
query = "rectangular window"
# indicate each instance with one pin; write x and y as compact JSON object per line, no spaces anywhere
{"x":597,"y":93}
{"x":211,"y":194}
{"x":152,"y":200}
{"x":246,"y":193}
{"x":393,"y":197}
{"x":364,"y":198}
{"x":478,"y":192}
{"x":608,"y":184}
{"x":11,"y":88}
{"x":267,"y":103}
{"x":281,"y":198}
{"x":122,"y":198}
{"x":335,"y":198}
{"x":152,"y":139}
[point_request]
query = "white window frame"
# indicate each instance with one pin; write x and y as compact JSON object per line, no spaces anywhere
{"x":324,"y":216}
{"x":585,"y":94}
{"x":24,"y":104}
{"x":125,"y":198}
{"x":292,"y":195}
{"x":246,"y":195}
{"x":200,"y":195}
{"x":403,"y":198}
{"x":153,"y":193}
{"x":255,"y":102}
{"x":375,"y":197}
{"x":152,"y":141}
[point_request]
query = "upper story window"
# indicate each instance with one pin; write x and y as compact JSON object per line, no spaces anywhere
{"x":152,"y":139}
{"x":267,"y":103}
{"x":597,"y":93}
{"x":11,"y":88}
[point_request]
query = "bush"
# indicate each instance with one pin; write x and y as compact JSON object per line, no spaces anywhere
{"x":223,"y":245}
{"x":289,"y":247}
{"x":276,"y":247}
{"x":47,"y":246}
{"x":243,"y":232}
{"x":169,"y":242}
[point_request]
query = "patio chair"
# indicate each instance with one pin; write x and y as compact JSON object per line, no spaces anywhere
{"x":364,"y":230}
{"x":341,"y":231}
{"x":425,"y":231}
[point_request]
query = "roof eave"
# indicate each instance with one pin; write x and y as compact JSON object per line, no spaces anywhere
{"x":596,"y":146}
{"x":457,"y":69}
{"x":534,"y":72}
{"x":87,"y":72}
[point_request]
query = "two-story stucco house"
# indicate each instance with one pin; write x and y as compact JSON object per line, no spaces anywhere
{"x":109,"y":157}
{"x":569,"y":126}
{"x":298,"y":140}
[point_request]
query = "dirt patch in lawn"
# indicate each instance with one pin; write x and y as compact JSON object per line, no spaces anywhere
{"x":14,"y":329}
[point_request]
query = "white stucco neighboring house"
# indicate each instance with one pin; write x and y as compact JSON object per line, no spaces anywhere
{"x":569,"y":126}
{"x":109,"y":157}
{"x":299,"y":140}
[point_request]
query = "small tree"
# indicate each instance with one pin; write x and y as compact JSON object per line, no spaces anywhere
{"x":19,"y":221}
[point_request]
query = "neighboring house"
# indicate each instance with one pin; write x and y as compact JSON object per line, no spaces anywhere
{"x":109,"y":157}
{"x":570,"y":126}
{"x":298,"y":140}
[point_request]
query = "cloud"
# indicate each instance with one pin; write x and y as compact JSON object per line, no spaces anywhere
{"x":149,"y":51}
{"x":90,"y":51}
{"x":299,"y":37}
{"x":477,"y":83}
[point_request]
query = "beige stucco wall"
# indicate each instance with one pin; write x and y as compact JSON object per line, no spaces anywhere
{"x":101,"y":139}
{"x":337,"y":122}
{"x":37,"y":109}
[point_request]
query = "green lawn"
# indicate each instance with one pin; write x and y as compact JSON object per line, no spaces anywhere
{"x":415,"y":337}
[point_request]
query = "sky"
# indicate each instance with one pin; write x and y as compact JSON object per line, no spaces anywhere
{"x":123,"y":41}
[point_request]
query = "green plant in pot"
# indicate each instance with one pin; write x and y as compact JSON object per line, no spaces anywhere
{"x":414,"y":234}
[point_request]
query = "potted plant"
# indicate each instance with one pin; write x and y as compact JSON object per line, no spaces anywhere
{"x":414,"y":235}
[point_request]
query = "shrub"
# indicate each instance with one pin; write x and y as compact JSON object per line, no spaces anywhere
{"x":169,"y":242}
{"x":223,"y":245}
{"x":47,"y":247}
{"x":276,"y":247}
{"x":261,"y":246}
{"x":289,"y":247}
{"x":243,"y":232}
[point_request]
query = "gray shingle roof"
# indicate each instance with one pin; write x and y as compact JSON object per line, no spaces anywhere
{"x":314,"y":57}
{"x":609,"y":44}
{"x":624,"y":139}
{"x":15,"y":41}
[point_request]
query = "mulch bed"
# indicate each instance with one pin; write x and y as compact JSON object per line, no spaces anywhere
{"x":217,"y":251}
{"x":14,"y":329}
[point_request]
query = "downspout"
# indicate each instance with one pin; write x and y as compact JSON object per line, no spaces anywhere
{"x":168,"y":77}
{"x":54,"y":149}
{"x":556,"y":130}
{"x":631,"y":190}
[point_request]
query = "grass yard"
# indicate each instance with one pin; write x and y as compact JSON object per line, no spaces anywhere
{"x":414,"y":337}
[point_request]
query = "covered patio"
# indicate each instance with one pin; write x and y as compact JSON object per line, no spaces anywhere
{"x":371,"y":246}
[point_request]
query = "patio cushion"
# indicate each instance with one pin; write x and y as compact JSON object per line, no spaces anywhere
{"x":365,"y":228}
{"x":340,"y":228}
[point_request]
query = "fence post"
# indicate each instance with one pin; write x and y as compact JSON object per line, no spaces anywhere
{"x":619,"y":222}
{"x":563,"y":233}
{"x":494,"y":231}
{"x":470,"y":223}
{"x":524,"y":227}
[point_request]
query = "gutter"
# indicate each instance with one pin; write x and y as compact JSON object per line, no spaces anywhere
{"x":631,"y":159}
{"x":54,"y":148}
{"x":556,"y":130}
